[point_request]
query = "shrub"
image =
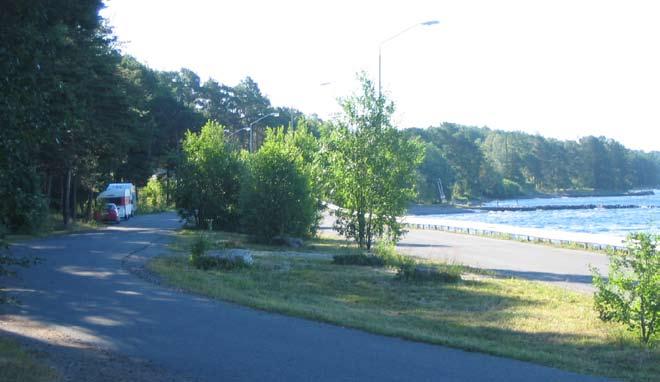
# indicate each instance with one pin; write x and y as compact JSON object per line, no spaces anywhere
{"x":208,"y":179}
{"x":224,"y":263}
{"x":407,"y":268}
{"x":153,"y":197}
{"x":23,"y":207}
{"x":8,"y":261}
{"x":391,"y":258}
{"x":277,"y":196}
{"x":200,"y":260}
{"x":359,"y":259}
{"x":631,"y":293}
{"x":511,"y":189}
{"x":440,"y":273}
{"x":198,"y":251}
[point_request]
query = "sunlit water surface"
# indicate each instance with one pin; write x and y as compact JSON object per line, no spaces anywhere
{"x":615,"y":222}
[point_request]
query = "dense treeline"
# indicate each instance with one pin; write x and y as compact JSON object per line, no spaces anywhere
{"x":477,"y":163}
{"x":75,"y":114}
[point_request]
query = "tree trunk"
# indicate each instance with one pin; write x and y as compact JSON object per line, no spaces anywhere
{"x":66,"y":198}
{"x":88,"y":212}
{"x":74,"y":199}
{"x":361,"y":224}
{"x":369,"y":234}
{"x":49,"y":188}
{"x":167,"y":186}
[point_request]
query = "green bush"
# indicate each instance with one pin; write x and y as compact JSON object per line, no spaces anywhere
{"x":631,"y":293}
{"x":23,"y":208}
{"x":391,"y":258}
{"x":9,"y":261}
{"x":221,"y":263}
{"x":359,"y":259}
{"x":153,"y":197}
{"x":208,"y":179}
{"x":200,"y":260}
{"x":277,"y":196}
{"x":407,"y":268}
{"x":511,"y":189}
{"x":198,"y":251}
{"x":440,"y":273}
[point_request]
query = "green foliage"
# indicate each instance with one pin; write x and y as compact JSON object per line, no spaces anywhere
{"x":9,"y":261}
{"x":198,"y":250}
{"x":631,"y":293}
{"x":391,"y":258}
{"x":362,"y":259}
{"x":23,"y":207}
{"x":371,"y":168}
{"x":408,"y":269}
{"x":511,"y":189}
{"x":480,"y":162}
{"x":278,"y":197}
{"x":208,"y":179}
{"x":200,"y":260}
{"x":437,"y":273}
{"x":153,"y":196}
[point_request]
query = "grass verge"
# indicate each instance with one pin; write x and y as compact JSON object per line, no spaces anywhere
{"x":508,"y":317}
{"x":17,"y":365}
{"x":54,"y":226}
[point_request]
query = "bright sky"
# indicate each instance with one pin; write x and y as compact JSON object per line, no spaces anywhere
{"x":561,"y":68}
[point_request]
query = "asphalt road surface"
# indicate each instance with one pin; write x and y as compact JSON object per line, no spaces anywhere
{"x":83,"y":292}
{"x":563,"y":267}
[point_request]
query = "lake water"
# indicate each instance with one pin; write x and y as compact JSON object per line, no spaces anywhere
{"x":614,"y":223}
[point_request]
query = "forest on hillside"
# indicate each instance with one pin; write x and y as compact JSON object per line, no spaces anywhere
{"x":475,"y":163}
{"x":76,"y":114}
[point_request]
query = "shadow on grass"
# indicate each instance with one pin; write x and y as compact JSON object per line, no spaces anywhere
{"x":470,"y":315}
{"x":544,"y":276}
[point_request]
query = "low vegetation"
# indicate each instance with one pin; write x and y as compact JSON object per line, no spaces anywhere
{"x":155,"y":196}
{"x":631,"y":292}
{"x":503,"y":316}
{"x":277,"y":197}
{"x":16,"y":365}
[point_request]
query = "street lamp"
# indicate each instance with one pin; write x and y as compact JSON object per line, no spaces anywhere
{"x":426,"y":23}
{"x":249,"y":128}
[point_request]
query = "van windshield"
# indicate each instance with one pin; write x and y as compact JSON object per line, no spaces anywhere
{"x":117,"y":201}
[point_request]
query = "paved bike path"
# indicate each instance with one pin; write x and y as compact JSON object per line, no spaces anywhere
{"x":82,"y":291}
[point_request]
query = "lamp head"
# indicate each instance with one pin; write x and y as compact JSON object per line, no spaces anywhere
{"x":430,"y":22}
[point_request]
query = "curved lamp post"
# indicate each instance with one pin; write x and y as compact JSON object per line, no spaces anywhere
{"x":425,"y":23}
{"x":249,"y":128}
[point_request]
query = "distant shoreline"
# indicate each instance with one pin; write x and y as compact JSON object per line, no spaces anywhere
{"x":474,"y":206}
{"x":437,"y":209}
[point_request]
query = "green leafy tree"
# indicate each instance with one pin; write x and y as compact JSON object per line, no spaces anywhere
{"x":208,"y":178}
{"x":371,"y":168}
{"x":277,"y":197}
{"x":153,"y":196}
{"x":631,"y":293}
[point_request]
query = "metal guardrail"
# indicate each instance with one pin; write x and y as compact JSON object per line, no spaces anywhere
{"x":508,"y":235}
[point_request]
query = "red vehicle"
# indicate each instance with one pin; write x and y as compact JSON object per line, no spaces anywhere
{"x":111,"y":213}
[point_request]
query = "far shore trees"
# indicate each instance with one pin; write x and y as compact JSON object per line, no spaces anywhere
{"x":371,"y":167}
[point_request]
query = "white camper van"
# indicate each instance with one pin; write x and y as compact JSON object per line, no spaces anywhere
{"x":124,"y":196}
